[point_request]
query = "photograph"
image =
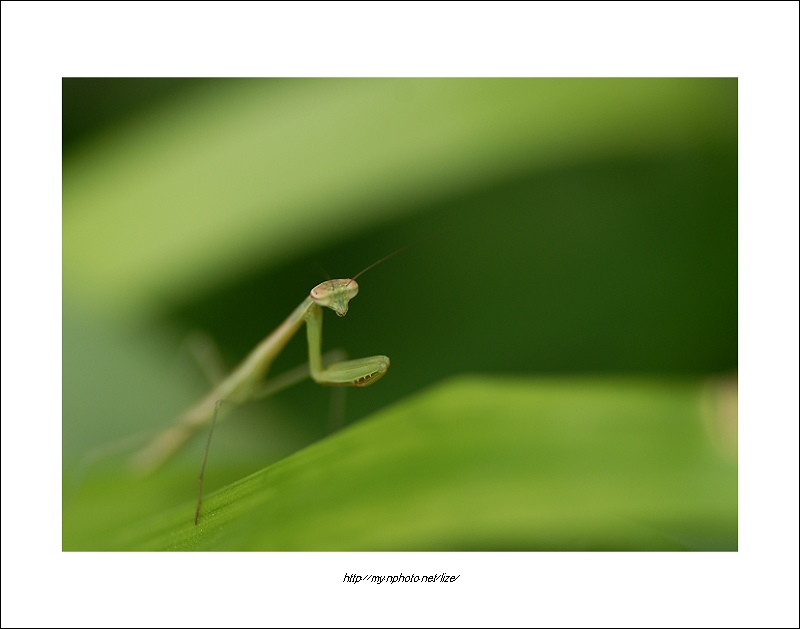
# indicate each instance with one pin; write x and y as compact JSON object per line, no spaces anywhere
{"x":535,"y":338}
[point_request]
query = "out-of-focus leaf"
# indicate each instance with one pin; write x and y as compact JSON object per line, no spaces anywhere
{"x":478,"y":464}
{"x":243,"y":173}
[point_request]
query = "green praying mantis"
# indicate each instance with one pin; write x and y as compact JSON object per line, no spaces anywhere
{"x":248,"y":381}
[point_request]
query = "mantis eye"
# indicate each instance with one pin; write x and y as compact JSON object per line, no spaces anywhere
{"x":335,"y":294}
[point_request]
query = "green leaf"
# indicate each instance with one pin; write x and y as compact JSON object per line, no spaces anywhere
{"x":474,"y":463}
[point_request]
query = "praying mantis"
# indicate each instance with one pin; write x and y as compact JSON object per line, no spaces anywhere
{"x":248,"y":381}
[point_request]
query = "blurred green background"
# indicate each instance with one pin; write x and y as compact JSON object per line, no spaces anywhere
{"x":579,"y":287}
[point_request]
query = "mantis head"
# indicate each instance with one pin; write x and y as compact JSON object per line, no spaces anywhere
{"x":335,"y":294}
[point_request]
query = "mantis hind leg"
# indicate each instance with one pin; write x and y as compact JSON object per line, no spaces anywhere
{"x":272,"y":387}
{"x":336,"y":413}
{"x":205,"y":458}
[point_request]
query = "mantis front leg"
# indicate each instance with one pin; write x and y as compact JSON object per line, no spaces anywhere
{"x":360,"y":372}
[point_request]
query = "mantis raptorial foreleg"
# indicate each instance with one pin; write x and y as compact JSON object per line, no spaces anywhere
{"x":246,"y":382}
